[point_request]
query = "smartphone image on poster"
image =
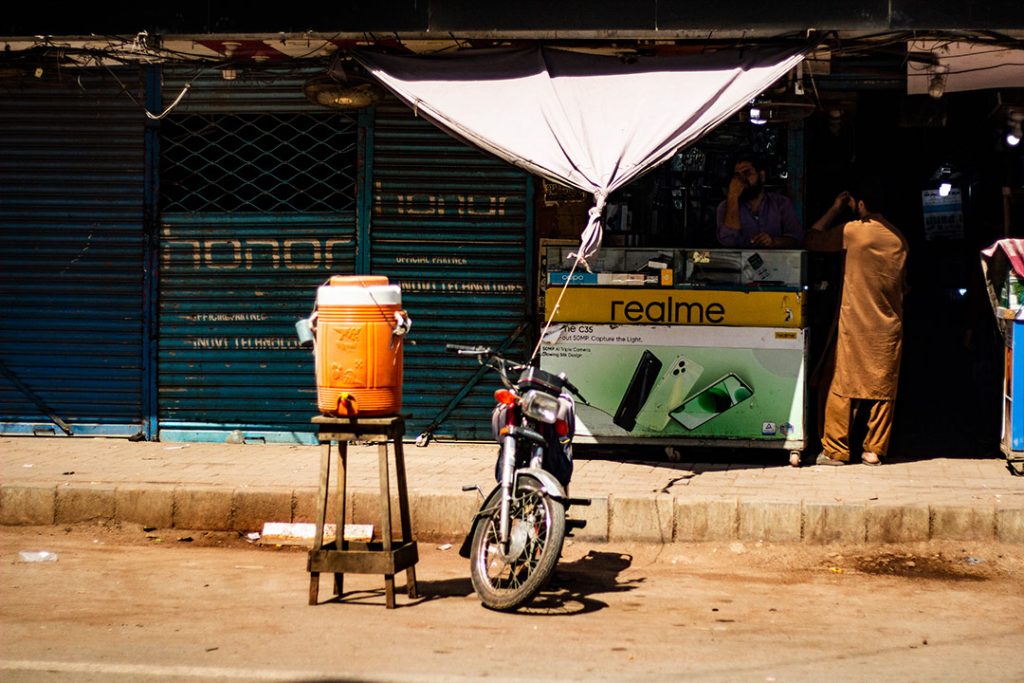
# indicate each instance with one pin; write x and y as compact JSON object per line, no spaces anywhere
{"x":644,"y":377}
{"x":674,"y":385}
{"x":712,"y":401}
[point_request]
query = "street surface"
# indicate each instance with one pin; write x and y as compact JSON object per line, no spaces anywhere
{"x":124,"y":604}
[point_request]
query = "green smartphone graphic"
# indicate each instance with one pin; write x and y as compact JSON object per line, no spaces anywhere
{"x":712,"y":401}
{"x":670,"y":391}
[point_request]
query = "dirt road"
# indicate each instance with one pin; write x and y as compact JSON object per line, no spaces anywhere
{"x":126,"y":604}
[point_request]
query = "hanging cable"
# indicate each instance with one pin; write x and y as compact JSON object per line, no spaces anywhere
{"x":165,"y":112}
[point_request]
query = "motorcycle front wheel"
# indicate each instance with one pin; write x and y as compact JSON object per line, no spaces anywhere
{"x":507,"y":580}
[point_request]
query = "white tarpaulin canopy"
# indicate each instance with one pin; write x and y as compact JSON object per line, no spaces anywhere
{"x":594,"y":122}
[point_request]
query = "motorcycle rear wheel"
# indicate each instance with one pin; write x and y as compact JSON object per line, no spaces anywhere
{"x":506,"y":582}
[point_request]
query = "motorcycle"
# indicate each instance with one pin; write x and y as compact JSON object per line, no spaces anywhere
{"x":516,"y":537}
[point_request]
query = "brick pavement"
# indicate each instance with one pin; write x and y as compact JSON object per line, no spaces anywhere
{"x":48,"y":480}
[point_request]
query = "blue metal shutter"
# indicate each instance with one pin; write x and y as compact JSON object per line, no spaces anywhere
{"x":72,"y":253}
{"x":258,"y":209}
{"x":453,"y":226}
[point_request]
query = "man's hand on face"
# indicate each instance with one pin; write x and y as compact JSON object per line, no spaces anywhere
{"x":736,"y":186}
{"x":745,"y":180}
{"x":842,"y":201}
{"x":762,"y":239}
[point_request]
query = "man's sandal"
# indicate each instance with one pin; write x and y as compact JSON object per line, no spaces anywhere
{"x":869,"y":458}
{"x":823,"y":459}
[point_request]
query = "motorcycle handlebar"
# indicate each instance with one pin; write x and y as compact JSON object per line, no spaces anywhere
{"x":572,"y":387}
{"x":479,"y":351}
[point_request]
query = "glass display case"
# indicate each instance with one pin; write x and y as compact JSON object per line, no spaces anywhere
{"x":682,"y":346}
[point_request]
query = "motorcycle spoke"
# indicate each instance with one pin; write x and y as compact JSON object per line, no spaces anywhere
{"x":509,"y":576}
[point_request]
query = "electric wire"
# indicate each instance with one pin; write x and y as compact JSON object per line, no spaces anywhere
{"x":165,"y":112}
{"x":145,"y":48}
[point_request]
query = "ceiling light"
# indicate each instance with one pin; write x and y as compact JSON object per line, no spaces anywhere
{"x":945,"y":175}
{"x":937,"y":86}
{"x":755,"y":117}
{"x":1013,"y":130}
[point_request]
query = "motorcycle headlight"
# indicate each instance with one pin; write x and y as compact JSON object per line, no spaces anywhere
{"x":540,"y":407}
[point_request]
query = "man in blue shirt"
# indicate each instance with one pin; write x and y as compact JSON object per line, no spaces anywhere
{"x":751,"y":217}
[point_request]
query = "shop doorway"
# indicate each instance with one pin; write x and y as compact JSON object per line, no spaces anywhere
{"x":949,"y":395}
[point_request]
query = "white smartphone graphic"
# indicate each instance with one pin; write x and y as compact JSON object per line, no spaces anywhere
{"x":674,"y":385}
{"x":756,"y":268}
{"x":712,"y":401}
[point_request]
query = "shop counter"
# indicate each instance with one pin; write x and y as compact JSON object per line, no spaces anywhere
{"x":715,"y":359}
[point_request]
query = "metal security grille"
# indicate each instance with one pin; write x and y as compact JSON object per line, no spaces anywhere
{"x":258,"y":163}
{"x":258,"y":208}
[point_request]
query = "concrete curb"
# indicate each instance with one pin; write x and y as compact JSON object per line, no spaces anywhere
{"x":656,"y":518}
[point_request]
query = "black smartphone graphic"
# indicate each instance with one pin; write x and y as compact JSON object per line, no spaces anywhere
{"x":712,"y":401}
{"x":646,"y":373}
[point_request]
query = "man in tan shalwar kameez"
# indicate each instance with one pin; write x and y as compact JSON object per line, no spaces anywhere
{"x":870,"y":338}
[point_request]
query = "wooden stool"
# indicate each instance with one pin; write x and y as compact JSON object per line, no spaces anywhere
{"x":387,"y":556}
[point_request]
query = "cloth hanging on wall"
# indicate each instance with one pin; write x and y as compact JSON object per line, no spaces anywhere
{"x":593,"y":122}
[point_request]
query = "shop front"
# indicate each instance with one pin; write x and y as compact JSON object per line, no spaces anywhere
{"x":154,"y":271}
{"x":167,"y":258}
{"x":265,"y":195}
{"x":75,"y":323}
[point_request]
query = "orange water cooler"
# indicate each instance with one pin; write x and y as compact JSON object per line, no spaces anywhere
{"x":360,"y":327}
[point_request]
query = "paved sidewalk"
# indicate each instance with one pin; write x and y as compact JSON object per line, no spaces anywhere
{"x":239,"y":487}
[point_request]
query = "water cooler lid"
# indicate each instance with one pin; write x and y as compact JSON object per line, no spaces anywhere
{"x":375,"y":295}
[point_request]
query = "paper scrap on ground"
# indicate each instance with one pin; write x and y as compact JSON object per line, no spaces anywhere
{"x":302,"y":533}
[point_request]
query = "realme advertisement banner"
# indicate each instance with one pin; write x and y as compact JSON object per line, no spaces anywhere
{"x":639,"y":306}
{"x":646,"y":381}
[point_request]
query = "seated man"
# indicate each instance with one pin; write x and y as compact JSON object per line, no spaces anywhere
{"x":751,"y":217}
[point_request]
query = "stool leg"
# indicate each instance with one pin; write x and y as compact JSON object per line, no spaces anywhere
{"x":410,"y":582}
{"x":403,"y":513}
{"x":385,"y":496}
{"x":340,"y":542}
{"x":389,"y":590}
{"x":314,"y":587}
{"x":403,"y":495}
{"x":321,"y":516}
{"x":385,"y":517}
